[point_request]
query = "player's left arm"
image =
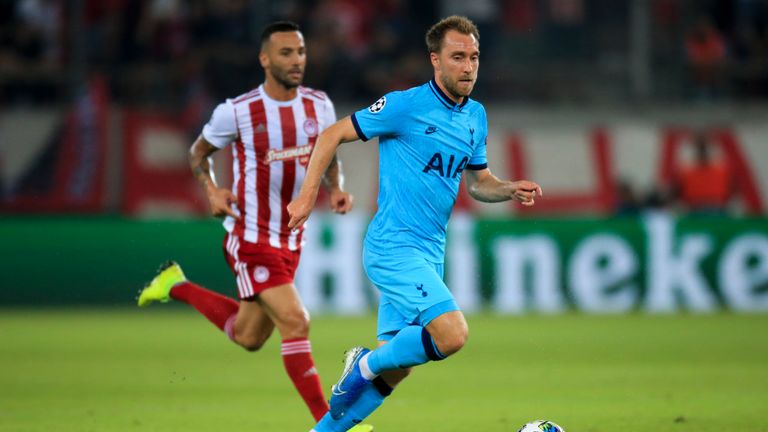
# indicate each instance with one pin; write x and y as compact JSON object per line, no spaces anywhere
{"x":486,"y":187}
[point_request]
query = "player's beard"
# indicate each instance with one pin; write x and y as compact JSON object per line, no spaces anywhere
{"x":284,"y":79}
{"x":452,"y":86}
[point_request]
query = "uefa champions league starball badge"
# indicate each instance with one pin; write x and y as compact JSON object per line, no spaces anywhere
{"x":378,"y":105}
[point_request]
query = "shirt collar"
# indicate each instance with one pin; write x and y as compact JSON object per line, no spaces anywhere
{"x":443,"y":98}
{"x":278,"y":102}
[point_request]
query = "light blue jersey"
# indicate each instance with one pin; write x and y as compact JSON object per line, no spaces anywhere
{"x":426,"y":141}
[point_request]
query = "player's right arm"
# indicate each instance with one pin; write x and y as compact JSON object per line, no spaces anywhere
{"x":219,"y":199}
{"x":384,"y":117}
{"x":325,"y":148}
{"x":218,"y":133}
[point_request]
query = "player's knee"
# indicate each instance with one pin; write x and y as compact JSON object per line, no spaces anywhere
{"x":452,"y":346}
{"x":453,"y":341}
{"x":252,"y":341}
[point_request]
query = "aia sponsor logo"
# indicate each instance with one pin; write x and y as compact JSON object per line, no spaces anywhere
{"x":446,"y":166}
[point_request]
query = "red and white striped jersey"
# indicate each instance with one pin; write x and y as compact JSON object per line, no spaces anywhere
{"x":272,"y":144}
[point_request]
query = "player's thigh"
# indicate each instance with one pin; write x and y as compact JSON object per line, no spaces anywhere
{"x":412,"y":286}
{"x":389,"y":320}
{"x":283,"y":305}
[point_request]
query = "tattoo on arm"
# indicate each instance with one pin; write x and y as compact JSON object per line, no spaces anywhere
{"x":200,"y":162}
{"x":202,"y":173}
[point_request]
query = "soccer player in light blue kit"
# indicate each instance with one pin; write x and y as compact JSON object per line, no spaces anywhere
{"x":429,"y":137}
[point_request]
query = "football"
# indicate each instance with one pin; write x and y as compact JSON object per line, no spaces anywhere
{"x":541,"y":426}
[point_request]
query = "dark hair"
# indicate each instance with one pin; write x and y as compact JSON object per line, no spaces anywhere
{"x":277,"y":27}
{"x":436,"y":34}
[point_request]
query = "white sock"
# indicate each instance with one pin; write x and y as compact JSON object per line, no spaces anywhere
{"x":365,"y":371}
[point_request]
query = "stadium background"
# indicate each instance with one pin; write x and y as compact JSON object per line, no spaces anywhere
{"x":597,"y":100}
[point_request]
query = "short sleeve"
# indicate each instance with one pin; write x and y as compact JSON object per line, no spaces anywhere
{"x":384,"y":117}
{"x":328,"y":117}
{"x":479,"y":159}
{"x":221,"y":129}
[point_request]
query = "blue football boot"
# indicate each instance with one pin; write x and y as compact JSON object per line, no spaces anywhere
{"x":350,"y":385}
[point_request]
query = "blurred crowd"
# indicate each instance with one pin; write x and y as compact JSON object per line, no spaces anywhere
{"x":163,"y":53}
{"x":706,"y":184}
{"x":727,"y":51}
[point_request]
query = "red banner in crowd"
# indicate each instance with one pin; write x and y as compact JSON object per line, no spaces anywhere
{"x":157,"y":180}
{"x":69,"y":174}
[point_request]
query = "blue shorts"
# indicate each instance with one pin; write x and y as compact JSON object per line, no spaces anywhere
{"x":412,"y":290}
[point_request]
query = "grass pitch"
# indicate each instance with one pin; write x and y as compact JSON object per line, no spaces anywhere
{"x":167,"y":369}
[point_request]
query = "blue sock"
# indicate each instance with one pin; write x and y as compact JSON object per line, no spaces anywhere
{"x":372,"y":397}
{"x":411,"y":346}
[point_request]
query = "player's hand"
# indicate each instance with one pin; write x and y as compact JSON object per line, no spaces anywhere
{"x":341,"y":202}
{"x":526,"y":192}
{"x":221,"y":201}
{"x":300,"y":209}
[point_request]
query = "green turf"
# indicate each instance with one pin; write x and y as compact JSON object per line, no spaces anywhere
{"x":166,"y":369}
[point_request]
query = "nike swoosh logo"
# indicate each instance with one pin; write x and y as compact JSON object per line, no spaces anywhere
{"x":348,"y":366}
{"x":336,"y":392}
{"x":430,"y":130}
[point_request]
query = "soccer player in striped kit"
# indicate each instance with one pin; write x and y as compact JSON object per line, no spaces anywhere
{"x":272,"y":130}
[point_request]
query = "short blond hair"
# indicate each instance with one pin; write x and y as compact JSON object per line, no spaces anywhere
{"x":436,"y":34}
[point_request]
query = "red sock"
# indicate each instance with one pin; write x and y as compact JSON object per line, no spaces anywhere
{"x":297,"y":357}
{"x":219,"y":309}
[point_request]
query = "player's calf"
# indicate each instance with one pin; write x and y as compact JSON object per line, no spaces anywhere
{"x":396,"y":376}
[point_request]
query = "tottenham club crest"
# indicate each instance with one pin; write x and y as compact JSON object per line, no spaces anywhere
{"x":310,"y":127}
{"x":378,"y":105}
